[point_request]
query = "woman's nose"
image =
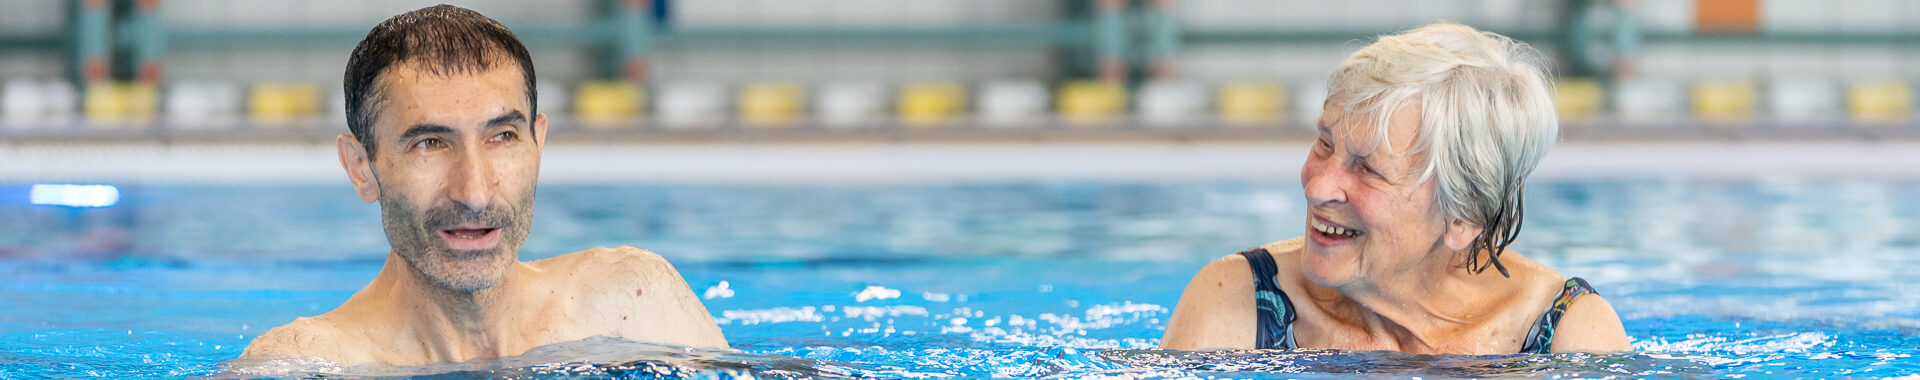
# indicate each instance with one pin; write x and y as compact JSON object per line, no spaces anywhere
{"x":1324,"y":182}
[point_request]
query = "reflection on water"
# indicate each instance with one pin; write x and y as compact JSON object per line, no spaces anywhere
{"x":1269,"y":364}
{"x":605,"y":357}
{"x":589,"y":357}
{"x":1762,"y":278}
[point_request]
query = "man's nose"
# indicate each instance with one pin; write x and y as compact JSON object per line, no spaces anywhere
{"x":471,"y":181}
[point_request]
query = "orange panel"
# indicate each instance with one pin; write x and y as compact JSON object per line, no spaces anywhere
{"x":1726,"y":15}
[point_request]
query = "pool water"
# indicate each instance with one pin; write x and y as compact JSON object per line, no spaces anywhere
{"x":1746,"y":278}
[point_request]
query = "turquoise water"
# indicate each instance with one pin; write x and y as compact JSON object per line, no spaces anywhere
{"x":1761,"y":278}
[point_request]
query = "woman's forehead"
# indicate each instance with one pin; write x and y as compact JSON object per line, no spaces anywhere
{"x":1362,"y":132}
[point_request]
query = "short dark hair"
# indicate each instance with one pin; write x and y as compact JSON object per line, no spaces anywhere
{"x":445,"y":39}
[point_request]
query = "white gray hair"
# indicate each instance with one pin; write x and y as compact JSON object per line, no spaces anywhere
{"x":1486,"y":119}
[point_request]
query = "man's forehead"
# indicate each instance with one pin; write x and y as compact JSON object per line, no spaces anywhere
{"x":411,"y":91}
{"x":419,"y":72}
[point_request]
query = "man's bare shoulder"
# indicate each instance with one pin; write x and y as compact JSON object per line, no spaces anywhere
{"x":616,"y":265}
{"x":638,"y":295}
{"x":305,"y":337}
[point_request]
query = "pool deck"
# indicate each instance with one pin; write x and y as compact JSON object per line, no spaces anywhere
{"x":577,"y":160}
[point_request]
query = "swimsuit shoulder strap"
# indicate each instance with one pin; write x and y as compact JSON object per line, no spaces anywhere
{"x":1540,"y":337}
{"x":1272,"y":307}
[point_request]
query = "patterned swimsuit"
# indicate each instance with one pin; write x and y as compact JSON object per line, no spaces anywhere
{"x":1275,"y":310}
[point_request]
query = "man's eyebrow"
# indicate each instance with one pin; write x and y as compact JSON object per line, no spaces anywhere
{"x":512,"y":117}
{"x":424,"y":129}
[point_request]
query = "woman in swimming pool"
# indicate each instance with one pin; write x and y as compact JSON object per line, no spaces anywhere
{"x":1414,"y":189}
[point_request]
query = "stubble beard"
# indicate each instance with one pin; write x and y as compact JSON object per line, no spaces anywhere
{"x":413,"y":233}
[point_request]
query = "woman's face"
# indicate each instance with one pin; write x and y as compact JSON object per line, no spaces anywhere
{"x":1369,"y":216}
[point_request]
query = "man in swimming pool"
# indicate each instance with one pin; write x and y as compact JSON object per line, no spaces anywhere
{"x":446,"y":137}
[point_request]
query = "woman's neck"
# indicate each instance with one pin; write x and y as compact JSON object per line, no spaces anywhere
{"x":1434,"y":309}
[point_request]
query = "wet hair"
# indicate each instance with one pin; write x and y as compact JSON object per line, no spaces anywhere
{"x":1486,"y":119}
{"x":444,"y":40}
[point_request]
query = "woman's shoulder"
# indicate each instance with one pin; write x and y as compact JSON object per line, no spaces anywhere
{"x":1228,"y":276}
{"x":1588,"y":323}
{"x":1274,"y":258}
{"x":1286,"y":256}
{"x":1215,"y":309}
{"x":1236,"y":266}
{"x":1289,"y":247}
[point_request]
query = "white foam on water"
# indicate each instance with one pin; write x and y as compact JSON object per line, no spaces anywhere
{"x":876,"y":292}
{"x":875,"y":312}
{"x":773,"y":315}
{"x":1747,"y":351}
{"x":721,"y":290}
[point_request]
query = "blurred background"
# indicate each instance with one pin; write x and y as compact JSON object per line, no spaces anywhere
{"x":767,"y":70}
{"x":229,"y":90}
{"x":169,"y":185}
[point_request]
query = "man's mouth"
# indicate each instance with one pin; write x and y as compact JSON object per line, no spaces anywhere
{"x":470,"y":237}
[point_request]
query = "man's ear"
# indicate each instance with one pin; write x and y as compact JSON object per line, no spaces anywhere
{"x":540,"y":130}
{"x":353,"y":158}
{"x":1460,"y":234}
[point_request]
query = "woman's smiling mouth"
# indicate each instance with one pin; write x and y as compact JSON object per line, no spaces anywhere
{"x":1329,"y":234}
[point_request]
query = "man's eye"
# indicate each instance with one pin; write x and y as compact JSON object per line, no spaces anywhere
{"x":506,"y":136}
{"x":429,"y":144}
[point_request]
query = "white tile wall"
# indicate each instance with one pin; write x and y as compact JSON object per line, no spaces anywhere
{"x":1665,"y":15}
{"x":1872,"y":15}
{"x":32,"y":16}
{"x":1797,"y":15}
{"x":351,"y":13}
{"x":1291,"y":63}
{"x":1381,"y":15}
{"x":23,"y":64}
{"x":862,"y":12}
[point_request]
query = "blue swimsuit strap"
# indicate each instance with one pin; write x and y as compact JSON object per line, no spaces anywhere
{"x":1540,"y":337}
{"x":1273,"y":309}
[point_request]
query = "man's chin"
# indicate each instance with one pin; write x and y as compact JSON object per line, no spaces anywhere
{"x":470,"y":270}
{"x":471,"y":255}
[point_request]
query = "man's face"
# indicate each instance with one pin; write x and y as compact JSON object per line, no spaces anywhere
{"x":456,"y":158}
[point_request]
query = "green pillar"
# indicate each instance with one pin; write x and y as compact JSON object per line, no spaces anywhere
{"x":146,"y":43}
{"x":91,"y":42}
{"x":1626,"y":42}
{"x":1163,"y":38}
{"x":633,"y":38}
{"x":1110,"y":40}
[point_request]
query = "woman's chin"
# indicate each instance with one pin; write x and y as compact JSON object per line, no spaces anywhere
{"x":1325,"y":270}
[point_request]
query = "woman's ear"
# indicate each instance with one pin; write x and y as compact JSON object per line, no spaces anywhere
{"x":353,"y":158}
{"x":1460,"y":234}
